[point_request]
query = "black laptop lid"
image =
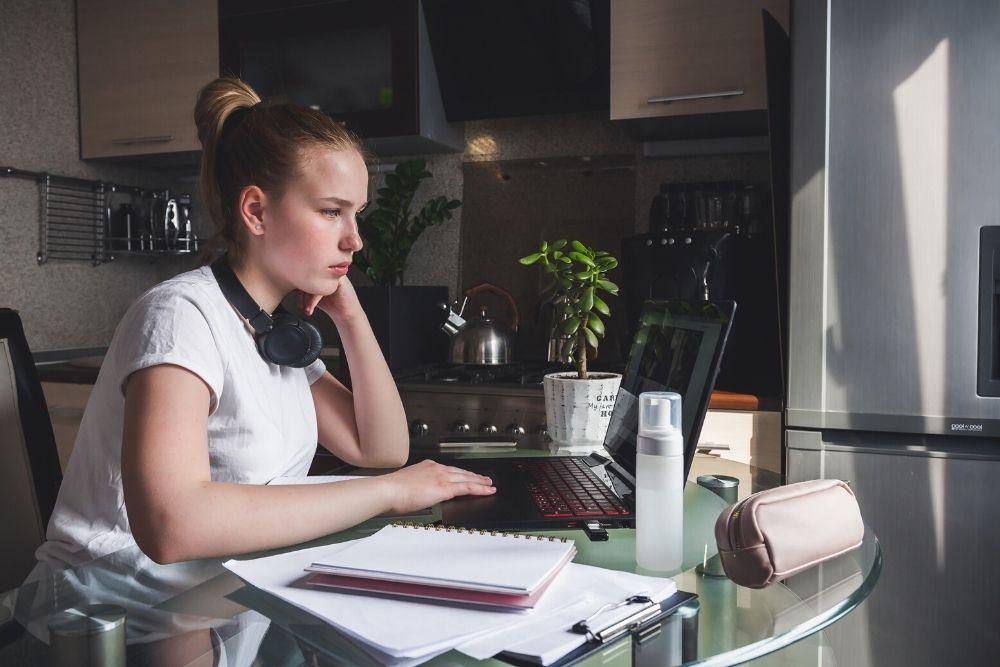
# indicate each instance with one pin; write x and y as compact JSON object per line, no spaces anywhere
{"x":677,"y":347}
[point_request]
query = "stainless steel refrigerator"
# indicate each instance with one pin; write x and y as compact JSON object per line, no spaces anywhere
{"x":894,"y":309}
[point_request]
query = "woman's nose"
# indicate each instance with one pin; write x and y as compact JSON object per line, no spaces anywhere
{"x":352,"y":240}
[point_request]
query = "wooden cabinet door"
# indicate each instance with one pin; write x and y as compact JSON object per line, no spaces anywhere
{"x":66,"y":402}
{"x":688,"y":48}
{"x":141,"y":65}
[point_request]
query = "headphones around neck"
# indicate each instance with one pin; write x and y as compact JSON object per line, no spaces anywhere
{"x":282,"y":339}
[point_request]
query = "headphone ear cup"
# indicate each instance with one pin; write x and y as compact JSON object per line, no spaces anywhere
{"x":315,"y":346}
{"x":291,"y":342}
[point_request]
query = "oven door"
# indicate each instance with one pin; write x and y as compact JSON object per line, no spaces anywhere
{"x":355,"y":59}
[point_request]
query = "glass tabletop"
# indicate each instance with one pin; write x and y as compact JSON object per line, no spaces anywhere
{"x":198,"y":612}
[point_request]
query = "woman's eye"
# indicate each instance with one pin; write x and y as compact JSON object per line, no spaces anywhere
{"x":332,"y":212}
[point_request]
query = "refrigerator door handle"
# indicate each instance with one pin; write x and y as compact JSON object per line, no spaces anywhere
{"x":988,"y":362}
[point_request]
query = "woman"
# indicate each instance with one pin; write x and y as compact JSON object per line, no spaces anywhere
{"x":188,"y":422}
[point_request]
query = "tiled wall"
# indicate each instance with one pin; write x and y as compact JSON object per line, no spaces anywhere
{"x":62,"y":304}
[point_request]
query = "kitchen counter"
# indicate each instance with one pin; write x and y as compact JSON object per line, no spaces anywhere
{"x":70,"y":366}
{"x":64,"y":367}
{"x":82,"y":370}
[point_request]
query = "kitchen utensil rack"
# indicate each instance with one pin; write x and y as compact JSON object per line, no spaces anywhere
{"x":75,"y":217}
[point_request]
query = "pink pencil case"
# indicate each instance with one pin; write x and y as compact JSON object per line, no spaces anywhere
{"x":782,"y":531}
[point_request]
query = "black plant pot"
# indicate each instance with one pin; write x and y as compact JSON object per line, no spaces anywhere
{"x":407,"y":323}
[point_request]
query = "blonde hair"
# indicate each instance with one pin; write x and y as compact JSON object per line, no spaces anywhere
{"x":245,"y":142}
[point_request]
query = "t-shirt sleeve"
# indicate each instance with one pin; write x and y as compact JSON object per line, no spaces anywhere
{"x":169,"y":328}
{"x":315,"y":370}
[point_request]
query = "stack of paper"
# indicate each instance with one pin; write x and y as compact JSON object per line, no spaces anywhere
{"x":405,"y":631}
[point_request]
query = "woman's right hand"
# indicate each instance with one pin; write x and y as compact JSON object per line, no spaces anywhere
{"x":427,"y":483}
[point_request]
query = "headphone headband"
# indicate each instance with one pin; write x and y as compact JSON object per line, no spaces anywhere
{"x":282,"y":339}
{"x":237,"y":295}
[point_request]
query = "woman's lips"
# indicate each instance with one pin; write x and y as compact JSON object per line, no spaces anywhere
{"x":340,"y":269}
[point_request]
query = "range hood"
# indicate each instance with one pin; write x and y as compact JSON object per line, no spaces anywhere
{"x":520,"y":57}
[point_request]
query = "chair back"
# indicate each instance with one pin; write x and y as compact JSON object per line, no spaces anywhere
{"x":30,"y":474}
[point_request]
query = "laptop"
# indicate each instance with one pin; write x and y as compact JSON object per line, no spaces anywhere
{"x":677,"y":347}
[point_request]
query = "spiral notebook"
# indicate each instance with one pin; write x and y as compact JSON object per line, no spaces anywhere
{"x":458,"y":596}
{"x":432,"y":557}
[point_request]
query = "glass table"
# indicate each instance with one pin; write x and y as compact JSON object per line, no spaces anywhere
{"x":199,"y":613}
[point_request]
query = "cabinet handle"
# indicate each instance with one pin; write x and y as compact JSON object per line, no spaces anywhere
{"x":158,"y":139}
{"x":699,"y":96}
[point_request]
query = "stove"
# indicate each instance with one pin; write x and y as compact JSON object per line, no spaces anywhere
{"x":455,"y":401}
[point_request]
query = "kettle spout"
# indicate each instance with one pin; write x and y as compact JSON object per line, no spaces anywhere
{"x":454,"y":322}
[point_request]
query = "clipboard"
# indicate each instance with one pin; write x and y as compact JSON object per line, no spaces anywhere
{"x":638,"y":625}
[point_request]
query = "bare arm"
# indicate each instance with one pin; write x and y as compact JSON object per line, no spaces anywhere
{"x":176,"y":512}
{"x":366,"y":427}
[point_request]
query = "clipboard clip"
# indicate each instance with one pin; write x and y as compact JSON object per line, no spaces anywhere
{"x":618,"y":628}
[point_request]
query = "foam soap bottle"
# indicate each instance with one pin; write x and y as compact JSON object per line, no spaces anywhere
{"x":659,"y":480}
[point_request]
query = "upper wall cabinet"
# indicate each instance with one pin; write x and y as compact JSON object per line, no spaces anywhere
{"x":676,"y":65}
{"x":141,"y":65}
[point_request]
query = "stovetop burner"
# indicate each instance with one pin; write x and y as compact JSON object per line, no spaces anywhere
{"x":517,"y":374}
{"x":523,"y":374}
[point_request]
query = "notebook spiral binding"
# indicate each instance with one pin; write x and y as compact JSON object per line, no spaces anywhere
{"x":474,"y":531}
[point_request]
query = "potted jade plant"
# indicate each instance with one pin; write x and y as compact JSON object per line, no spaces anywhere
{"x":406,"y":319}
{"x":578,"y":404}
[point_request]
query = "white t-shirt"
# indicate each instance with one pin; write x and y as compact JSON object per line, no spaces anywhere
{"x":261,"y":421}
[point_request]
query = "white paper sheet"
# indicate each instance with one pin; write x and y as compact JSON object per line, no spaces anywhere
{"x":489,"y":645}
{"x":546,"y":639}
{"x":548,"y":647}
{"x":399,"y":628}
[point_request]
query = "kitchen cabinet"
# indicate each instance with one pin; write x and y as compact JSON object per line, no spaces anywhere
{"x":750,"y":437}
{"x":66,"y":403}
{"x":688,"y":60}
{"x":141,"y":65}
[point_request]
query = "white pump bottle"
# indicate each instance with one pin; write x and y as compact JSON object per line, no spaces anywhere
{"x":659,"y":527}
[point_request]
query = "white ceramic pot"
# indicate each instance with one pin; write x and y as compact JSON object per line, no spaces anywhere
{"x":577,"y":412}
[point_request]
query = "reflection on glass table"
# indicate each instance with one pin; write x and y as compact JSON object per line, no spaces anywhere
{"x":197,"y":612}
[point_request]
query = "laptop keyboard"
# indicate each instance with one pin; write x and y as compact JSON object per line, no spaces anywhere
{"x":568,"y":488}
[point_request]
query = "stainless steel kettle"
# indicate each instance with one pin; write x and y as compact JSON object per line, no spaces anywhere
{"x":481,"y":341}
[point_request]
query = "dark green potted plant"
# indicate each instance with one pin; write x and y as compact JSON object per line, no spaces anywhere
{"x":390,"y":230}
{"x":578,"y":404}
{"x":405,"y":319}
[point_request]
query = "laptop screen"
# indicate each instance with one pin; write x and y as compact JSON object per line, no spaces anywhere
{"x":677,"y":347}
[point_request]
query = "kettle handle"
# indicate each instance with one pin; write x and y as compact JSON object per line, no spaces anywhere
{"x":515,"y":316}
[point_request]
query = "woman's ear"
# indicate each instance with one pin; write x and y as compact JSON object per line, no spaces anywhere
{"x":251,"y":203}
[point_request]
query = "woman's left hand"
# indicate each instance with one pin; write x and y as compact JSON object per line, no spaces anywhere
{"x":342,"y":305}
